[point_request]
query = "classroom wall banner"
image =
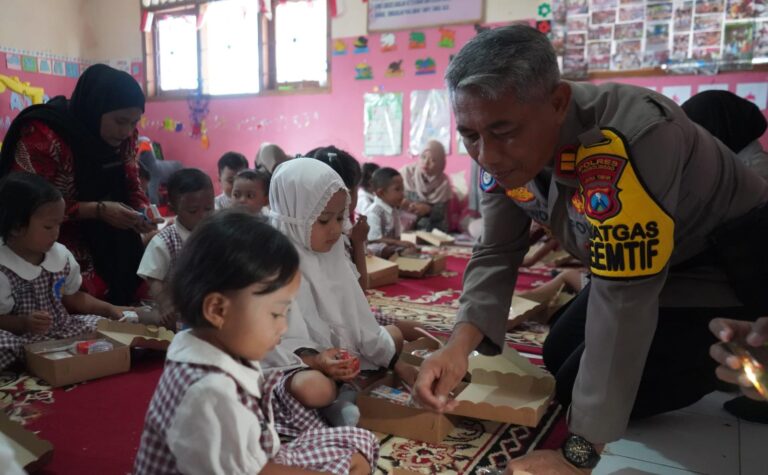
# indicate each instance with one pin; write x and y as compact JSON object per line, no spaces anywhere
{"x":430,"y":119}
{"x":383,"y":124}
{"x":386,"y":15}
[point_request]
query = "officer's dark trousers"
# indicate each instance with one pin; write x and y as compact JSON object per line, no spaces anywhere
{"x":678,"y":370}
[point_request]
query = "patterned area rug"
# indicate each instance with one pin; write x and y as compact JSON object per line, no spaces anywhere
{"x":95,"y":426}
{"x":473,"y":444}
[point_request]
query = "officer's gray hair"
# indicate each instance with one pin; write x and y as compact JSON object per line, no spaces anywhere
{"x":517,"y":59}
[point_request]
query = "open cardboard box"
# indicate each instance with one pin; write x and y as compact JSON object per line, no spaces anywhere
{"x":435,"y":237}
{"x":30,"y":452}
{"x":528,"y":310}
{"x":504,"y":388}
{"x":380,"y":271}
{"x":82,"y":367}
{"x":417,"y":266}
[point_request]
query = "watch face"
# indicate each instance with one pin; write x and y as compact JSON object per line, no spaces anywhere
{"x":579,"y":452}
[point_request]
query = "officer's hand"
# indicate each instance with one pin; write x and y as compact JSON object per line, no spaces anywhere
{"x":755,"y":334}
{"x":439,"y":374}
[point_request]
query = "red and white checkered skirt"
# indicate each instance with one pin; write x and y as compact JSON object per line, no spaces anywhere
{"x":40,"y":294}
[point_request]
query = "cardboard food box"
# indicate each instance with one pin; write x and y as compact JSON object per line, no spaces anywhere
{"x":380,"y":271}
{"x":529,"y":310}
{"x":30,"y":452}
{"x":504,"y":388}
{"x":417,"y":266}
{"x":414,"y":266}
{"x":435,"y":237}
{"x":56,"y":362}
{"x":382,"y":415}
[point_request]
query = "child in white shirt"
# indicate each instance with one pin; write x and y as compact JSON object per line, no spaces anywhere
{"x":40,"y":297}
{"x":190,"y":196}
{"x":384,"y":214}
{"x":366,"y":194}
{"x":250,"y":191}
{"x":229,"y":165}
{"x":212,"y":409}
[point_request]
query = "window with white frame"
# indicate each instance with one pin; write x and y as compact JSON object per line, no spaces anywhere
{"x":227,"y":47}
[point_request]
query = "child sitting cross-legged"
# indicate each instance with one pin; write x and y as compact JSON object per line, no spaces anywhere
{"x":331,"y":316}
{"x":190,"y":196}
{"x":40,"y":297}
{"x":212,"y":411}
{"x":384,"y":214}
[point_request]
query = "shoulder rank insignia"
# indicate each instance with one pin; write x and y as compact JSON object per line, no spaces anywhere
{"x":521,"y":194}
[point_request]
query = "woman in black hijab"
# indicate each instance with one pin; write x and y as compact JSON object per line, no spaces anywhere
{"x":736,"y":122}
{"x":86,"y":147}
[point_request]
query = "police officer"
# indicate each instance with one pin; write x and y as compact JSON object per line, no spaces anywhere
{"x":627,"y":184}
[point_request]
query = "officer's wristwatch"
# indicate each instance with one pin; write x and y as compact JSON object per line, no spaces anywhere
{"x":579,"y":452}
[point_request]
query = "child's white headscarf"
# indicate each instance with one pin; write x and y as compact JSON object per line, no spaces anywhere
{"x":330,"y":309}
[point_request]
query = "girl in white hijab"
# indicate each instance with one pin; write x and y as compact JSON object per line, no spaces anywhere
{"x":330,"y":315}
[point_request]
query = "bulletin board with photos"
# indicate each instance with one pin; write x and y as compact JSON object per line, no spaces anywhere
{"x":687,"y":35}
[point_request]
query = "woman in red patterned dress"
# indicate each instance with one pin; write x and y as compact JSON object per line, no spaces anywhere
{"x":86,"y":147}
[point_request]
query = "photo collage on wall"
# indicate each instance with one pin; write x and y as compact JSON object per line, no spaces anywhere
{"x":626,"y":35}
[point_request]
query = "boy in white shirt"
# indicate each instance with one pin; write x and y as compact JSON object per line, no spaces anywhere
{"x":230,"y":164}
{"x":190,"y":196}
{"x":250,"y":191}
{"x":384,"y":214}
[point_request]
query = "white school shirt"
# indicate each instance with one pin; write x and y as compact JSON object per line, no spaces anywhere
{"x":211,"y":415}
{"x":54,"y":261}
{"x":222,"y":202}
{"x":383,"y":221}
{"x":156,"y":262}
{"x":364,"y":200}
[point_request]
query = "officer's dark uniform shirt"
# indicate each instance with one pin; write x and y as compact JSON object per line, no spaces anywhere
{"x":634,"y":188}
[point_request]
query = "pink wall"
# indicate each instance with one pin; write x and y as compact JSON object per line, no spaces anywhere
{"x":53,"y":86}
{"x":301,"y":122}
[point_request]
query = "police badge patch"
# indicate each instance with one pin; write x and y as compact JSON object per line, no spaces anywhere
{"x":487,"y":182}
{"x":599,"y":176}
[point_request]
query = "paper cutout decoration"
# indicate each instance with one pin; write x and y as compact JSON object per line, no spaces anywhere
{"x":430,"y":119}
{"x":169,"y":124}
{"x":29,"y":64}
{"x":363,"y":71}
{"x":19,"y":102}
{"x":72,"y":70}
{"x":13,"y":61}
{"x":395,"y":69}
{"x":361,"y":45}
{"x":544,"y":26}
{"x":383,"y":124}
{"x":425,"y":66}
{"x":679,"y":94}
{"x":756,"y":92}
{"x":179,"y":127}
{"x":388,"y":42}
{"x":447,"y":38}
{"x":198,"y":111}
{"x":58,"y":68}
{"x":544,"y":9}
{"x":44,"y":65}
{"x":418,"y":40}
{"x":339,"y":47}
